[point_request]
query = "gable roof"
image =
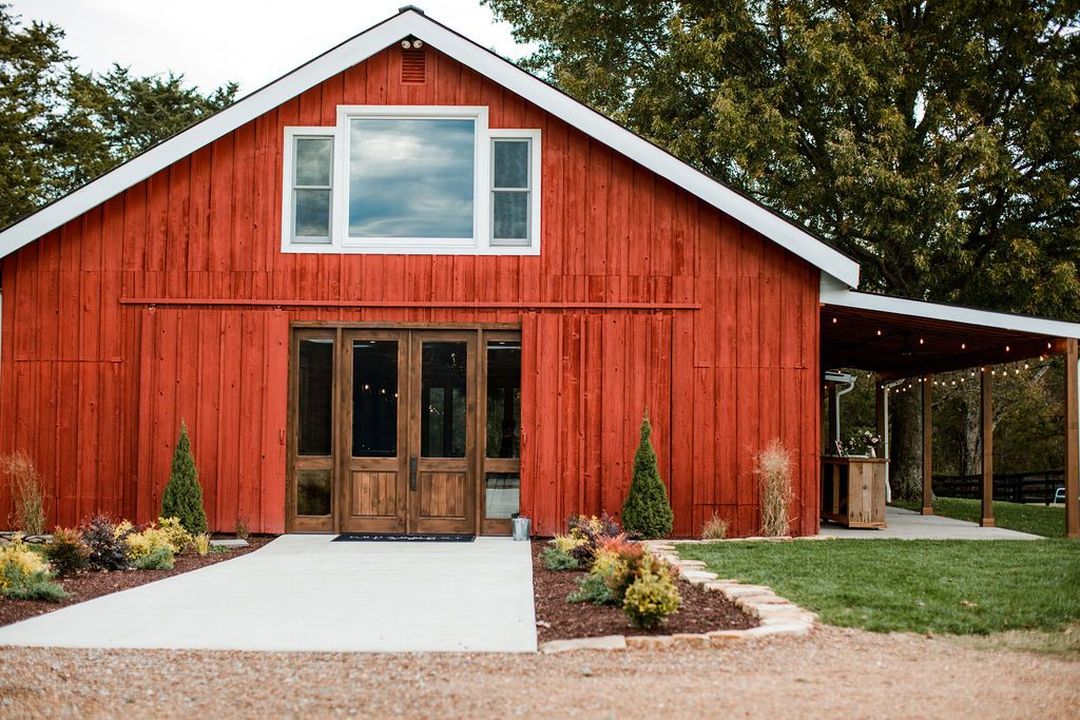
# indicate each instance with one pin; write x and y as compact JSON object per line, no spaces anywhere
{"x":411,"y":21}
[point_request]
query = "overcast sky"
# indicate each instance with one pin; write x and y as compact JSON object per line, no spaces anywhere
{"x":249,"y":41}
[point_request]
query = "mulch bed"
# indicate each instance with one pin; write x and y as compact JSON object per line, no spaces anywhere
{"x":701,"y":610}
{"x":89,"y":584}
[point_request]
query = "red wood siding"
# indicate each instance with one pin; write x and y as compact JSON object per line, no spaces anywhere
{"x":94,"y":388}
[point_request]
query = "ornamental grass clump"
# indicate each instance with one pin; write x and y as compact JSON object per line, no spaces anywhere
{"x":27,"y":492}
{"x":773,"y":471}
{"x":653,"y":596}
{"x":67,"y":553}
{"x":202,"y":544}
{"x":183,"y":495}
{"x":25,"y":575}
{"x":647,"y":510}
{"x":715,"y":528}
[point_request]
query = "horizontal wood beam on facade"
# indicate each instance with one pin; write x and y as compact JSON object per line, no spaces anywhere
{"x":424,"y":304}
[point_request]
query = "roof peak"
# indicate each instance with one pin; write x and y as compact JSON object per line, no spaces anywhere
{"x":414,"y":8}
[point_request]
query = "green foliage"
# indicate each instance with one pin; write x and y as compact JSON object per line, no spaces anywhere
{"x":555,"y":558}
{"x":179,"y":538}
{"x":592,"y":588}
{"x":944,"y":586}
{"x":67,"y":553}
{"x":60,"y":127}
{"x":1034,"y":519}
{"x":183,"y":494}
{"x":108,"y":547}
{"x":159,"y":558}
{"x":24,"y":575}
{"x":150,"y":541}
{"x":646,"y":511}
{"x":653,"y":596}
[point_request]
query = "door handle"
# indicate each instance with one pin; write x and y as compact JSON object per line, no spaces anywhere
{"x":412,"y":473}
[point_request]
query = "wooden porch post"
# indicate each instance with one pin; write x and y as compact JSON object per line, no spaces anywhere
{"x":987,"y":437}
{"x":1072,"y":441}
{"x":927,"y":447}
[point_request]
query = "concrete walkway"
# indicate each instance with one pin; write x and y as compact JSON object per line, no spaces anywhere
{"x":303,"y":592}
{"x":910,"y":525}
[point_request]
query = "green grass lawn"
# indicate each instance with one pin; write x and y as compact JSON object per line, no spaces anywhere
{"x":1035,"y":519}
{"x":942,"y":586}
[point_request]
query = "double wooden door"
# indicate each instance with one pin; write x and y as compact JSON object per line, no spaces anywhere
{"x":403,"y":419}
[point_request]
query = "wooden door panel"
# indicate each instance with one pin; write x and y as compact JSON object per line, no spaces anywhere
{"x":374,"y":494}
{"x":443,"y":496}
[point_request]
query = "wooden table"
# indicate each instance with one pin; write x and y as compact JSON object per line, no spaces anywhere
{"x":853,"y":491}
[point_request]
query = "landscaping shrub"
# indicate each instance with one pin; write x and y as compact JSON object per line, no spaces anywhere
{"x":647,"y":511}
{"x":150,"y":543}
{"x":592,"y":589}
{"x":242,"y":527}
{"x":715,"y":528}
{"x":24,"y":575}
{"x":202,"y":544}
{"x":183,"y":495}
{"x":26,"y":491}
{"x":160,"y":558}
{"x":556,"y":558}
{"x":590,"y":530}
{"x":178,"y":537}
{"x":773,"y":470}
{"x":67,"y":553}
{"x":108,"y":549}
{"x":653,"y":596}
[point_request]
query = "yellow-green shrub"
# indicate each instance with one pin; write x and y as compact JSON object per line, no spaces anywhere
{"x":612,"y":569}
{"x":17,"y":558}
{"x":123,"y":529}
{"x":653,"y":596}
{"x":179,"y":537}
{"x":150,"y":541}
{"x":202,"y":544}
{"x":567,"y":543}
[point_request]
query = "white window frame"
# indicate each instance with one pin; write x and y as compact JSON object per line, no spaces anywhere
{"x":479,"y":244}
{"x":292,"y":134}
{"x":533,"y":138}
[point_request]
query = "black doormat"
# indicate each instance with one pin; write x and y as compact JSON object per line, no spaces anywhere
{"x":400,"y":537}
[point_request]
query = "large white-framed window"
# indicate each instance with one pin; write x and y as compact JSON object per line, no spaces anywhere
{"x":411,"y":180}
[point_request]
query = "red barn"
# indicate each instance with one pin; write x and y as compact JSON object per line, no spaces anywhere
{"x":410,"y":288}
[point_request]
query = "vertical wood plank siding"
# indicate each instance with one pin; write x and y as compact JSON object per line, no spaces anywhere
{"x":95,"y":390}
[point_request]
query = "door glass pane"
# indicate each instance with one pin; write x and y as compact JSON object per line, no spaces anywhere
{"x":503,"y":399}
{"x":442,"y":399}
{"x":314,"y":404}
{"x":312,"y":492}
{"x":502,"y":495}
{"x":375,"y":398}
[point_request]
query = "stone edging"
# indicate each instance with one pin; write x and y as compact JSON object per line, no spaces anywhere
{"x":777,"y":616}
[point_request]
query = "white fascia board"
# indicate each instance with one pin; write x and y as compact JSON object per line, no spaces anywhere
{"x":781,"y":231}
{"x":832,"y":294}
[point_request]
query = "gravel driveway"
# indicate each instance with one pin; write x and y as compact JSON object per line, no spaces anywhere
{"x":834,"y":673}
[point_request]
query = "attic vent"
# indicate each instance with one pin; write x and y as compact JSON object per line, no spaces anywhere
{"x":414,"y":63}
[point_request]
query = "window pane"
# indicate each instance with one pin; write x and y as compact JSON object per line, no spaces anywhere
{"x":411,"y":178}
{"x":502,"y":495}
{"x":313,"y":160}
{"x":511,"y":215}
{"x":312,"y":214}
{"x":375,"y":386}
{"x":511,"y":164}
{"x":312,"y":492}
{"x":442,"y":398}
{"x":503,"y":399}
{"x":316,"y":384}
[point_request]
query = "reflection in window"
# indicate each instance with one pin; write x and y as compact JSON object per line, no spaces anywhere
{"x":313,"y":161}
{"x":443,"y":399}
{"x":315,"y":389}
{"x":503,"y":399}
{"x":411,"y":178}
{"x":510,"y":192}
{"x":502,"y":495}
{"x":312,"y":492}
{"x":375,"y":398}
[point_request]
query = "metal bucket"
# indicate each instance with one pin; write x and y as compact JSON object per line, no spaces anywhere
{"x":521,"y":528}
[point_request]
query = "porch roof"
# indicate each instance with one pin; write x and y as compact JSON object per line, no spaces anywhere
{"x":898,"y":337}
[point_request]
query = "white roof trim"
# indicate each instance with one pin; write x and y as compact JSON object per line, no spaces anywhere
{"x":836,"y":295}
{"x":410,"y":22}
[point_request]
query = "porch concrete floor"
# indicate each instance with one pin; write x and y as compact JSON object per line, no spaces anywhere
{"x":304,"y":592}
{"x":910,"y":525}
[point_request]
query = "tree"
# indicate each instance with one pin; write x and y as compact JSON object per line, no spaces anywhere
{"x":183,"y":494}
{"x":646,"y":510}
{"x":60,"y":127}
{"x":934,"y":142}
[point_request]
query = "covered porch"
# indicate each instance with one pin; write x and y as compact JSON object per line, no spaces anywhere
{"x":900,"y":339}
